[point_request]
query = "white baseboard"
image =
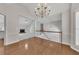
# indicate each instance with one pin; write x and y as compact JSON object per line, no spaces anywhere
{"x":71,"y":46}
{"x":11,"y":42}
{"x":65,"y":43}
{"x":15,"y":41}
{"x":74,"y":48}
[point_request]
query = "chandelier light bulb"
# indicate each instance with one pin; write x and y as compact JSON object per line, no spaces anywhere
{"x":42,"y":10}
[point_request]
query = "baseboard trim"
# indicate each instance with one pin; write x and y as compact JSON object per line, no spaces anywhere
{"x":74,"y":49}
{"x":15,"y":41}
{"x":66,"y":43}
{"x":12,"y":42}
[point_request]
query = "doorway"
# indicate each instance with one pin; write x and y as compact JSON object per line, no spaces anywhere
{"x":2,"y":32}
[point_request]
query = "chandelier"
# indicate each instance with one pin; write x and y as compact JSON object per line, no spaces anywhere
{"x":42,"y":10}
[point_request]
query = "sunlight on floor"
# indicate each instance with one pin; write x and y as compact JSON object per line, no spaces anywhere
{"x":26,"y":46}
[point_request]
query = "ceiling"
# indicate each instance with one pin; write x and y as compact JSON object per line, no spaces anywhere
{"x":56,"y":8}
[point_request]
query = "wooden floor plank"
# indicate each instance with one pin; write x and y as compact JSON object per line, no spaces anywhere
{"x":1,"y":46}
{"x":38,"y":46}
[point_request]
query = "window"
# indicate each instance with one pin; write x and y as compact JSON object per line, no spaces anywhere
{"x":1,"y":22}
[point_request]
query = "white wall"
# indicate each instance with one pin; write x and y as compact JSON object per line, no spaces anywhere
{"x":65,"y":28}
{"x":64,"y":16}
{"x":55,"y":24}
{"x":74,"y":8}
{"x":77,"y":28}
{"x":12,"y":12}
{"x":48,"y":27}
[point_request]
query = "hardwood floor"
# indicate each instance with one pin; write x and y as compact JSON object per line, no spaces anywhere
{"x":38,"y":46}
{"x":1,"y":46}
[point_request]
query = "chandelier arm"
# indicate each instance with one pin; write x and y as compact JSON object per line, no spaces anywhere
{"x":42,"y":10}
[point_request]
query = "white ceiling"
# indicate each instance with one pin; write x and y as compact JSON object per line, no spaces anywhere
{"x":57,"y":8}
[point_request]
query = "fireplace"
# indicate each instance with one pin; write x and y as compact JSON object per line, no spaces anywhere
{"x":22,"y":30}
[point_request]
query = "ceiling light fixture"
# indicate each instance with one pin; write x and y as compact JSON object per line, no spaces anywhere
{"x":42,"y":10}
